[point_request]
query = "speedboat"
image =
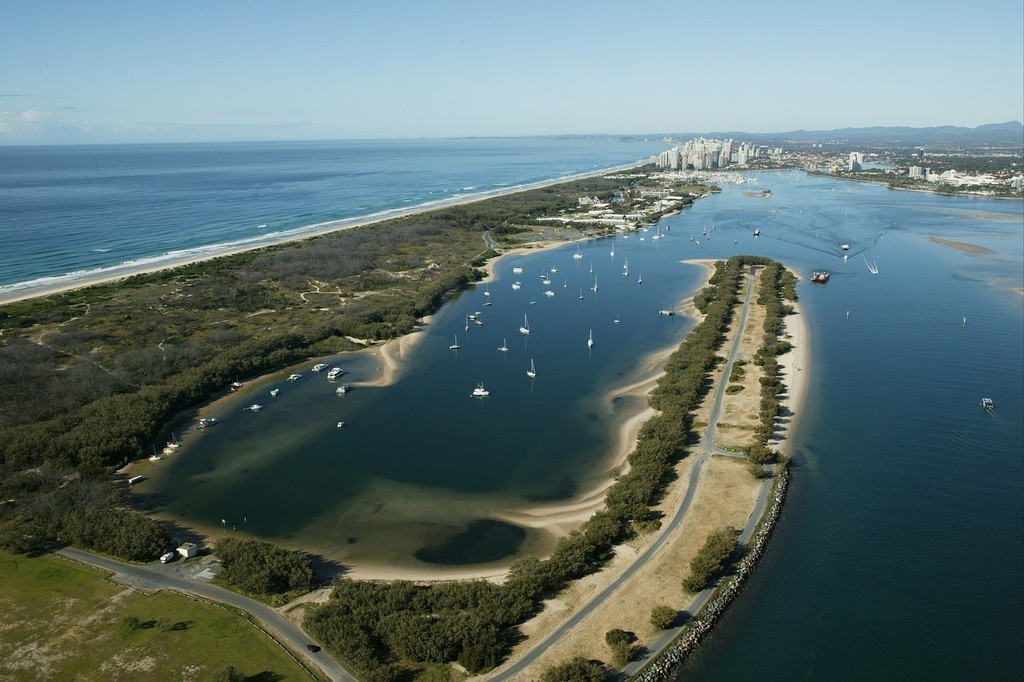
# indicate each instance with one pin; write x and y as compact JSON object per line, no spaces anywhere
{"x":988,"y":403}
{"x":340,"y":424}
{"x":255,"y":407}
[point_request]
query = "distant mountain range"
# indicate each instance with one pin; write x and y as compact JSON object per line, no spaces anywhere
{"x":1010,"y":133}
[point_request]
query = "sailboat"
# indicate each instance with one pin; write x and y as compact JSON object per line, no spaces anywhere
{"x":455,"y":346}
{"x":595,"y":285}
{"x":625,"y":268}
{"x":581,"y":294}
{"x":532,"y":372}
{"x":525,"y":328}
{"x":504,"y":346}
{"x":577,"y":255}
{"x":590,"y":341}
{"x":639,"y":279}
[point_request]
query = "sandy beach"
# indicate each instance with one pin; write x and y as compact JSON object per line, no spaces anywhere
{"x":56,"y":284}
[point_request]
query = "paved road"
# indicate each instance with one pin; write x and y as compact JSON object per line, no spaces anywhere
{"x":707,"y":449}
{"x":164,"y":577}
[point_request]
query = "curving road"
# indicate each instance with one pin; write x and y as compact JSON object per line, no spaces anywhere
{"x":156,"y":577}
{"x":164,"y":577}
{"x":707,"y":449}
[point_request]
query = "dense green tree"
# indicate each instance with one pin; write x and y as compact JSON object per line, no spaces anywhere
{"x":663,"y":617}
{"x":577,"y":669}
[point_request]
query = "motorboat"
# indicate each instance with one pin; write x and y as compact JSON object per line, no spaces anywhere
{"x":480,"y":391}
{"x":343,"y":389}
{"x":320,"y":366}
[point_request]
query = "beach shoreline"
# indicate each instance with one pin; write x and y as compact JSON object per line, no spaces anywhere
{"x":56,"y":284}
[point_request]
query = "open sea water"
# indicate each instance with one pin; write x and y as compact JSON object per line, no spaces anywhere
{"x":900,"y":552}
{"x":71,"y":212}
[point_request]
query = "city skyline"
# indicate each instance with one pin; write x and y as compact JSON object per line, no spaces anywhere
{"x":123,"y":72}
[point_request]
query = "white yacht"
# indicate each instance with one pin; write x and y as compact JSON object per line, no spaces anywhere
{"x":590,"y":341}
{"x":274,"y":392}
{"x":343,"y":389}
{"x":335,"y":373}
{"x":294,"y":377}
{"x":320,"y":366}
{"x":504,"y":346}
{"x":455,"y":345}
{"x":525,"y":328}
{"x":480,"y":391}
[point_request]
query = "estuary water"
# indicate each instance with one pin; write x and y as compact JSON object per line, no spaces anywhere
{"x":900,"y":551}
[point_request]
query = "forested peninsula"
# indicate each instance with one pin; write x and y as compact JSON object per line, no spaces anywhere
{"x":96,"y":377}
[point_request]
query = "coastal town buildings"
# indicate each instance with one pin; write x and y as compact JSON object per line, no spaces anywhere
{"x":708,"y":154}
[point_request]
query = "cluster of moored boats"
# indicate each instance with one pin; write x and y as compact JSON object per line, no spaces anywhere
{"x":332,"y":375}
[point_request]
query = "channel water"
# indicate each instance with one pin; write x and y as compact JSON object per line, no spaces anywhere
{"x":900,"y":552}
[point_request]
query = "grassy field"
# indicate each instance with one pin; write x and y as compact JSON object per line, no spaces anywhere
{"x":62,"y":621}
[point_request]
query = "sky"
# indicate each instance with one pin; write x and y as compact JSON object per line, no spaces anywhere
{"x":112,"y":71}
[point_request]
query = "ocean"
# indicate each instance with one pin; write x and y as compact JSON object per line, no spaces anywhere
{"x":68,"y":213}
{"x":900,"y":551}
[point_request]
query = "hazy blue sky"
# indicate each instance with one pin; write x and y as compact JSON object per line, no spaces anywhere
{"x":108,"y":70}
